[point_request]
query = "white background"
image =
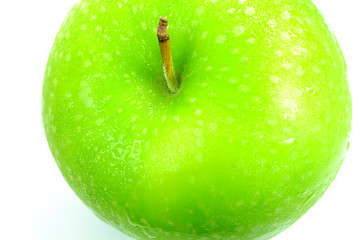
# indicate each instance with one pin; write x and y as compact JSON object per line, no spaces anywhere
{"x":35,"y":201}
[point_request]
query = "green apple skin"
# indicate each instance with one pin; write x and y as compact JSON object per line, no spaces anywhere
{"x":251,"y":141}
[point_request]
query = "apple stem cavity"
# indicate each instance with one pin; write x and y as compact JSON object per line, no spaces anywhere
{"x":165,"y":50}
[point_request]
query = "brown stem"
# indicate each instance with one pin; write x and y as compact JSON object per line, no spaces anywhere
{"x":165,"y":50}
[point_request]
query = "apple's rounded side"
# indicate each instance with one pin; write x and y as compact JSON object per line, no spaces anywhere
{"x":253,"y":139}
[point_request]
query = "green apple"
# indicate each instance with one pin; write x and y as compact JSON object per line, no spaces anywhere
{"x":251,"y":140}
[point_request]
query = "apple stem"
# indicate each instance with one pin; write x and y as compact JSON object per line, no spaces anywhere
{"x":165,"y":50}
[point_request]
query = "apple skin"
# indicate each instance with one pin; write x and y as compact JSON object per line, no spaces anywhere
{"x":251,"y":141}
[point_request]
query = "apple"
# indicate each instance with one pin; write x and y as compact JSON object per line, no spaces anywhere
{"x":248,"y":142}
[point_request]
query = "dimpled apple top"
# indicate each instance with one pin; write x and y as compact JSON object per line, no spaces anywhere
{"x":250,"y":142}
